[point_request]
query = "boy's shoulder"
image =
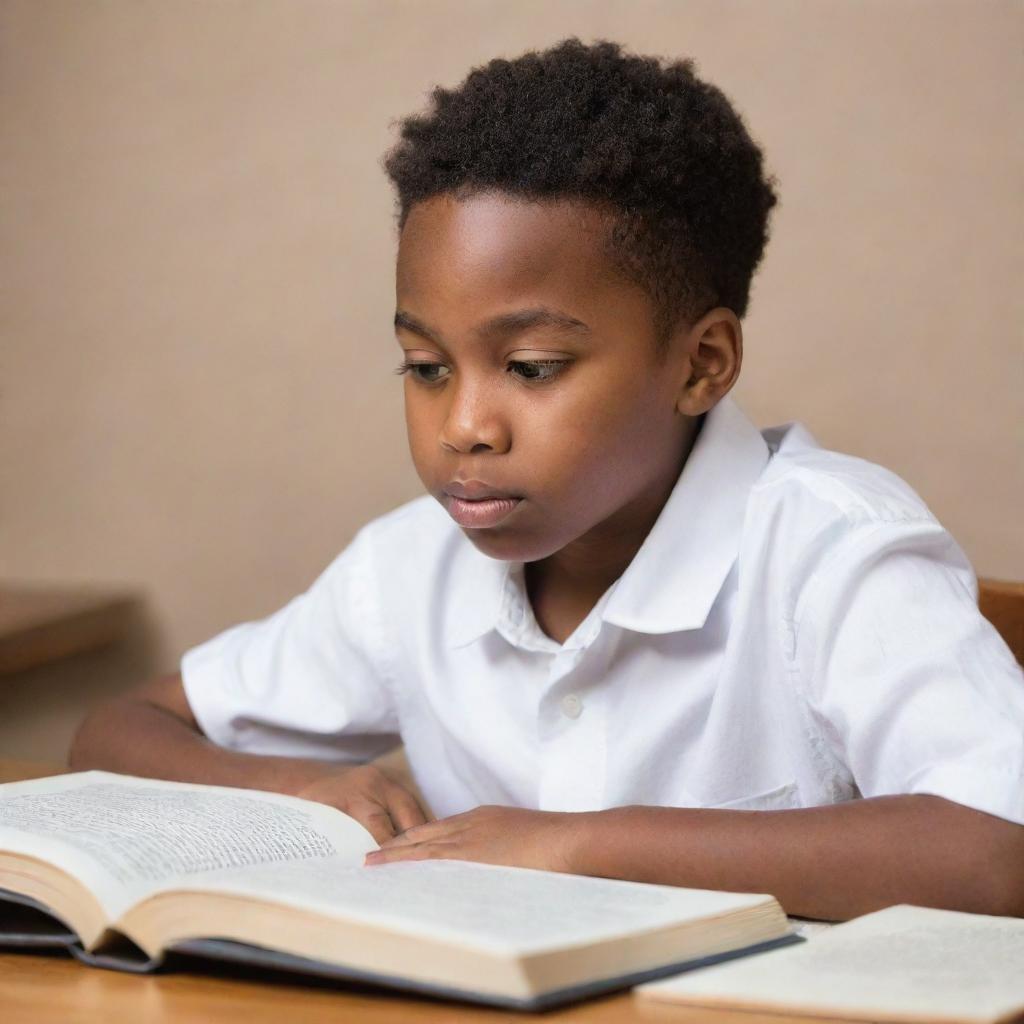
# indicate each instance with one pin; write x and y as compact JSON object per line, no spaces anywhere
{"x":815,"y":482}
{"x":815,"y":514}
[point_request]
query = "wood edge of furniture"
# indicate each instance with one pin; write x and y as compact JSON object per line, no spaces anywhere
{"x":53,"y":625}
{"x":1002,"y":603}
{"x":17,"y":770}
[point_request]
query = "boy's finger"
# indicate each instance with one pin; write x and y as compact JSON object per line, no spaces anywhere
{"x":405,"y":809}
{"x":426,"y":833}
{"x":390,"y":854}
{"x":376,"y":820}
{"x":402,"y":839}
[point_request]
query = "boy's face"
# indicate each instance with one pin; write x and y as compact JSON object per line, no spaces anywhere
{"x":575,"y":416}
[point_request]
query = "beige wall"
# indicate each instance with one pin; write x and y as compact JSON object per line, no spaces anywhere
{"x":197,"y":257}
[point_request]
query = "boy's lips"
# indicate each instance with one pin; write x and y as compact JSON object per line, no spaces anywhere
{"x":475,"y":504}
{"x":475,"y":490}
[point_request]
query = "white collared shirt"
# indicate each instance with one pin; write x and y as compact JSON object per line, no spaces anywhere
{"x":797,"y":629}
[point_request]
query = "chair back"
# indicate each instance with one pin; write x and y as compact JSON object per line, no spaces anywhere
{"x":1002,"y":603}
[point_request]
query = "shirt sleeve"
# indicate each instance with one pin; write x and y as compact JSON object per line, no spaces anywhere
{"x":309,"y":680}
{"x":913,"y":689}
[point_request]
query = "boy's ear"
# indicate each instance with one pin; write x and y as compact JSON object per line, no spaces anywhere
{"x":712,"y":354}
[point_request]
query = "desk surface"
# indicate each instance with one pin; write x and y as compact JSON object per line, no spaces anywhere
{"x":39,"y":625}
{"x":38,"y":988}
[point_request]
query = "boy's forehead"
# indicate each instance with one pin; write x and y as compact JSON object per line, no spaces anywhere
{"x":501,"y":242}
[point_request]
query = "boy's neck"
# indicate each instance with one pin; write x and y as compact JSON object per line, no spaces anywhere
{"x":566,"y":585}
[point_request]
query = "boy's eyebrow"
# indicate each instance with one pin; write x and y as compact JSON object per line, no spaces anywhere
{"x":505,"y":323}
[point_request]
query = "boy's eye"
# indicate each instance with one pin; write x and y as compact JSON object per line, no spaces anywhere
{"x":421,"y":371}
{"x":540,"y":369}
{"x":535,"y":370}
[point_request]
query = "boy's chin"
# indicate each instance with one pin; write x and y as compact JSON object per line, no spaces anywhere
{"x":509,"y":545}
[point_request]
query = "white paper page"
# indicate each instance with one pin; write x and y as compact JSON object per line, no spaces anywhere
{"x":125,"y":837}
{"x":805,"y":927}
{"x":508,"y":910}
{"x":902,"y":962}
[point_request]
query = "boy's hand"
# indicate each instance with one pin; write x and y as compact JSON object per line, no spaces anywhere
{"x":490,"y":835}
{"x":365,"y":793}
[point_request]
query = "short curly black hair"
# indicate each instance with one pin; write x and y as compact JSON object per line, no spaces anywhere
{"x":662,"y":151}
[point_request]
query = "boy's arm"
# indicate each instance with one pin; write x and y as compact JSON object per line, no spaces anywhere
{"x":152,"y":732}
{"x":832,"y":862}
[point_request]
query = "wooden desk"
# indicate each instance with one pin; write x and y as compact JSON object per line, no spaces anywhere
{"x":39,"y":625}
{"x":39,"y":988}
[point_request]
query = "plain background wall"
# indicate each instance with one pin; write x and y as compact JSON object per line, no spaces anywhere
{"x":197,"y":249}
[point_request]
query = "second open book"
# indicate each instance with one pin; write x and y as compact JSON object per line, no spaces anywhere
{"x":124,"y":871}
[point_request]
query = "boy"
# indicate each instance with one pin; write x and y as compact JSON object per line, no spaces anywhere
{"x":624,"y":633}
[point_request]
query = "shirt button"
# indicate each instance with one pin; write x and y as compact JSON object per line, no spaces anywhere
{"x":572,"y":705}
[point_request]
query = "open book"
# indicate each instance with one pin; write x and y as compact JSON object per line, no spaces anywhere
{"x":132,"y":873}
{"x":900,"y":964}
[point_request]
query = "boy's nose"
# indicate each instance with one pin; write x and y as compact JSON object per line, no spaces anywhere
{"x":474,"y":423}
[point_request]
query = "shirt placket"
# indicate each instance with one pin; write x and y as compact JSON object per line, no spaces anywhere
{"x":571,"y":729}
{"x":571,"y":726}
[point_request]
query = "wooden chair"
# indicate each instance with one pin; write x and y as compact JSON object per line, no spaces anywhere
{"x":1002,"y":603}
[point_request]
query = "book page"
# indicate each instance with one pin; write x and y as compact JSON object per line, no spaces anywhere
{"x":902,"y":963}
{"x":806,"y":927}
{"x":507,"y":910}
{"x":125,"y":837}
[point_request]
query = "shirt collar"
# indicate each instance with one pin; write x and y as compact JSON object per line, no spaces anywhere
{"x":676,"y":575}
{"x":674,"y":578}
{"x":481,"y":587}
